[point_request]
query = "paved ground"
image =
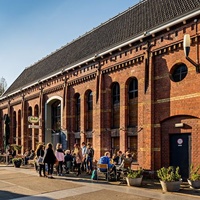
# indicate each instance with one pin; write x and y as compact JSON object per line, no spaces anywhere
{"x":25,"y":184}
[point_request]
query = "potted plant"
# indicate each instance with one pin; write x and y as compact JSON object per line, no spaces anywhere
{"x":194,"y":178}
{"x":17,"y":162}
{"x":170,"y":178}
{"x":134,"y":177}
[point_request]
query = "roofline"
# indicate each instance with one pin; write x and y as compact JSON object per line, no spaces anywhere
{"x":112,"y":49}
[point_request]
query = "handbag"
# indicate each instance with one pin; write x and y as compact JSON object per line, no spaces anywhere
{"x":40,"y":160}
{"x":56,"y":162}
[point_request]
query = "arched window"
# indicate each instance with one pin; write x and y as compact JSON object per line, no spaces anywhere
{"x":133,"y":103}
{"x":19,"y":127}
{"x":56,"y":116}
{"x":36,"y":131}
{"x":30,"y":130}
{"x":14,"y":125}
{"x":77,"y":112}
{"x":115,"y":105}
{"x":19,"y":136}
{"x":36,"y":111}
{"x":133,"y":117}
{"x":89,"y":111}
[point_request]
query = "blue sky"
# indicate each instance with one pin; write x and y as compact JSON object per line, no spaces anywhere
{"x":32,"y":29}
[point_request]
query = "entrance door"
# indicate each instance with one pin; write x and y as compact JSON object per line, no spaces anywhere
{"x":180,"y":153}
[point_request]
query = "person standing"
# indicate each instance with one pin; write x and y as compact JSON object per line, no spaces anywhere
{"x":68,"y":158}
{"x":49,"y":159}
{"x":40,"y":153}
{"x":78,"y":157}
{"x":60,"y":157}
{"x":84,"y":149}
{"x":89,"y":158}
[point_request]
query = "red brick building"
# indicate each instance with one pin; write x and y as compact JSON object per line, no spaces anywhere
{"x":124,"y":85}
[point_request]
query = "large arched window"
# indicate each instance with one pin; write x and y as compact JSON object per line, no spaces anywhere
{"x":19,"y":135}
{"x":133,"y":116}
{"x":89,"y":111}
{"x":19,"y":128}
{"x":133,"y":103}
{"x":14,"y":125}
{"x":36,"y":131}
{"x":56,"y":116}
{"x":77,"y":112}
{"x":30,"y":130}
{"x":115,"y":105}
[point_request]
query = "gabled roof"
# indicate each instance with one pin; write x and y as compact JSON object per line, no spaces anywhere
{"x":144,"y":16}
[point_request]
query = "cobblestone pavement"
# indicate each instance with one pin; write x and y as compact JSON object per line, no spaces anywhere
{"x":25,"y":184}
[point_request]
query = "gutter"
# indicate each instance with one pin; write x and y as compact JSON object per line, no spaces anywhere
{"x":145,"y":34}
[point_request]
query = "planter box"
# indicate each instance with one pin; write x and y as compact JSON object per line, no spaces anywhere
{"x":134,"y":181}
{"x":194,"y":184}
{"x":17,"y":164}
{"x":170,"y":186}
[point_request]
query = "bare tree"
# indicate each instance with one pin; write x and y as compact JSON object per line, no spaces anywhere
{"x":3,"y":85}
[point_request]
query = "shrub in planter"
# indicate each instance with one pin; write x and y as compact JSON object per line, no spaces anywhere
{"x":134,"y":177}
{"x":17,"y":162}
{"x":170,"y":178}
{"x":194,"y":178}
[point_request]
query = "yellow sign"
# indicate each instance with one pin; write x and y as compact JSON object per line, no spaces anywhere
{"x":33,"y":119}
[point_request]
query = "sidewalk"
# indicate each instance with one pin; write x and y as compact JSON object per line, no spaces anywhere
{"x":24,"y":182}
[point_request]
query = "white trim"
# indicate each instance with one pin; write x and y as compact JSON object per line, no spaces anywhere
{"x":114,"y":48}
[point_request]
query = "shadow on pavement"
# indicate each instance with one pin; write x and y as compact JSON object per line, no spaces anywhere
{"x":5,"y":195}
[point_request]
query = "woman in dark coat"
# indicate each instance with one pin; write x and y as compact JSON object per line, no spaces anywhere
{"x":49,"y":159}
{"x":40,"y":152}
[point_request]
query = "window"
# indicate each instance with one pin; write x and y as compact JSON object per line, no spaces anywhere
{"x":56,"y":116}
{"x":133,"y":103}
{"x":133,"y":88}
{"x":178,"y":72}
{"x":115,"y":105}
{"x":133,"y":115}
{"x":77,"y":112}
{"x":115,"y":93}
{"x":89,"y":112}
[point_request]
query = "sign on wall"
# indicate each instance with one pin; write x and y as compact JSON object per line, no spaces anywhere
{"x":33,"y":119}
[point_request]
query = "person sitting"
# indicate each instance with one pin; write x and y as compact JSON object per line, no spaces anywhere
{"x":106,"y":160}
{"x":125,"y":165}
{"x":30,"y":157}
{"x":118,"y":159}
{"x":126,"y":162}
{"x":26,"y":155}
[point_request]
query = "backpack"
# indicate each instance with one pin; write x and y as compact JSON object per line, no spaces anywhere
{"x":94,"y":175}
{"x":91,"y":152}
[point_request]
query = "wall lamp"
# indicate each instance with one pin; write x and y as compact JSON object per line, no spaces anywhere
{"x":186,"y":46}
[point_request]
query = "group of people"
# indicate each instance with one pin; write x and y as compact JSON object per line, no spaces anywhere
{"x":78,"y":158}
{"x":117,"y":163}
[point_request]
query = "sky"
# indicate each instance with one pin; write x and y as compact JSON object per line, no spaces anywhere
{"x":32,"y":29}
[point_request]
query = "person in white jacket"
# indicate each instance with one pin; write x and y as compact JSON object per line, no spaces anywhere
{"x":59,"y":153}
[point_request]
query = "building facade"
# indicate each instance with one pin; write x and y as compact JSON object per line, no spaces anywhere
{"x":126,"y":85}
